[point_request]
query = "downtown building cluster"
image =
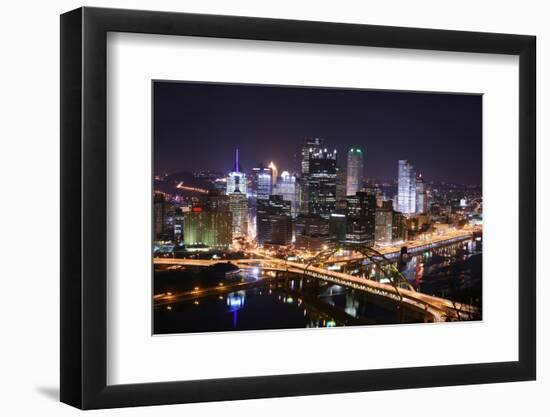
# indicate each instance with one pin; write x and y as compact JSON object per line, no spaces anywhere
{"x":319,"y":204}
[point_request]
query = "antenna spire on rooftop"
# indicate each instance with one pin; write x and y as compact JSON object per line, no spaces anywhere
{"x":237,"y":166}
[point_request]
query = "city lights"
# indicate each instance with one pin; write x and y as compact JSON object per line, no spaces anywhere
{"x":320,"y":238}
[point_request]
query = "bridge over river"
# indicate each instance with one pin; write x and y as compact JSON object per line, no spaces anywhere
{"x":434,"y":309}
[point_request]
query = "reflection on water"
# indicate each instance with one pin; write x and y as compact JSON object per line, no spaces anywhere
{"x":235,"y":301}
{"x":312,"y":303}
{"x":253,"y":309}
{"x":452,"y":271}
{"x":297,"y":302}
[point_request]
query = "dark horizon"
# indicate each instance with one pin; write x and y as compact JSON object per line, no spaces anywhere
{"x":199,"y":126}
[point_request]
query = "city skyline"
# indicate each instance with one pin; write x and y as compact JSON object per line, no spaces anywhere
{"x":435,"y":126}
{"x":279,"y":213}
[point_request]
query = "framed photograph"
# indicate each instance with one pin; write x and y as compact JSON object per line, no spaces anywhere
{"x":257,"y":208}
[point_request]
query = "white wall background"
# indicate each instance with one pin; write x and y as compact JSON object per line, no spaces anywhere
{"x":29,"y":219}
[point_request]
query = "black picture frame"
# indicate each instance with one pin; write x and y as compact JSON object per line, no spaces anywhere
{"x":84,"y":206}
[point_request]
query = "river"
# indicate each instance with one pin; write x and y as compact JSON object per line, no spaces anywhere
{"x":293,"y":301}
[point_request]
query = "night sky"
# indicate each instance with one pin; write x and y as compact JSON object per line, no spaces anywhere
{"x":198,"y":126}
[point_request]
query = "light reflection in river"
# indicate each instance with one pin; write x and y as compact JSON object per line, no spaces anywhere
{"x":298,"y":302}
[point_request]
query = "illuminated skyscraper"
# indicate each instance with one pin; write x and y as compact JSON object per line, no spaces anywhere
{"x":321,"y":183}
{"x":340,"y":187}
{"x":236,"y":180}
{"x":383,"y":228}
{"x":209,"y":222}
{"x":310,"y":146}
{"x":420,"y":195}
{"x":262,"y":182}
{"x":361,"y":217}
{"x":406,"y":188}
{"x":355,"y":171}
{"x":274,"y":222}
{"x":238,"y":205}
{"x":312,"y":233}
{"x":287,"y":186}
{"x":399,"y":227}
{"x":205,"y":227}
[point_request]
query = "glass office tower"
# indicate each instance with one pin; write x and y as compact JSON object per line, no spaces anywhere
{"x":355,"y":171}
{"x":406,"y":188}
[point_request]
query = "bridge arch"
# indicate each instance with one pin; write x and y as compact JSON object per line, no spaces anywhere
{"x":385,"y":265}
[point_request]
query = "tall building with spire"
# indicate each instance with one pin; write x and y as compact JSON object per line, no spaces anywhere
{"x":406,"y":187}
{"x":238,"y":201}
{"x":236,"y":179}
{"x":354,"y":171}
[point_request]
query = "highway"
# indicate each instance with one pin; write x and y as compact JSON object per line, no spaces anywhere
{"x":449,"y":237}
